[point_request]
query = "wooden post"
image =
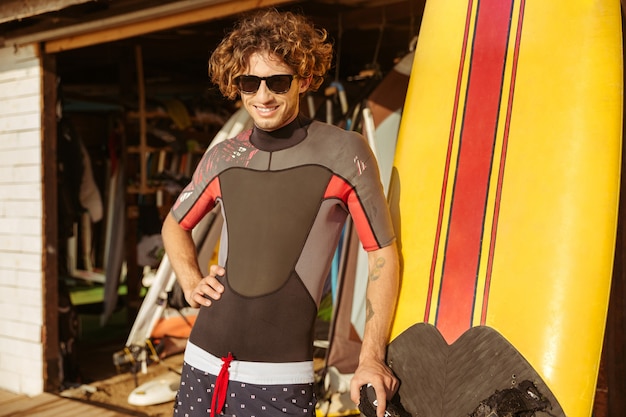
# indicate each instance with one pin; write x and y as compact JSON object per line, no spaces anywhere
{"x":133,"y":277}
{"x":143,"y":143}
{"x":50,"y":253}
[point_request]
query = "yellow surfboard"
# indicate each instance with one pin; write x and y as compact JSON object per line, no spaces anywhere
{"x":505,"y":195}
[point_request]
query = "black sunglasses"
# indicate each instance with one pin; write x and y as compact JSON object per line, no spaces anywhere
{"x":277,"y":84}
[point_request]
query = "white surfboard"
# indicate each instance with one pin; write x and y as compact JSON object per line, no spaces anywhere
{"x":157,"y":391}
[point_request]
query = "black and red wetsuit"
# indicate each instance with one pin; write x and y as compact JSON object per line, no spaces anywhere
{"x":284,"y":196}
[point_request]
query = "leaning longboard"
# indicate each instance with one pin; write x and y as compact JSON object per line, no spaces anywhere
{"x":505,"y":196}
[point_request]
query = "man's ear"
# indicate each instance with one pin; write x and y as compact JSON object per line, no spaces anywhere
{"x":303,"y":84}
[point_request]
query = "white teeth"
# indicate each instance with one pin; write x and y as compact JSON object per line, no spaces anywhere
{"x":265,"y":109}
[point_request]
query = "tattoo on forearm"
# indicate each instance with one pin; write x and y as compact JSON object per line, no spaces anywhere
{"x":376,"y":271}
{"x":369,"y":310}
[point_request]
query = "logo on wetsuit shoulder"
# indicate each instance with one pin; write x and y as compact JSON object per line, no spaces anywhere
{"x":360,"y":165}
{"x":238,"y":152}
{"x":185,"y":196}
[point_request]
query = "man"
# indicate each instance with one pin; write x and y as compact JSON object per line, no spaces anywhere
{"x":285,"y":189}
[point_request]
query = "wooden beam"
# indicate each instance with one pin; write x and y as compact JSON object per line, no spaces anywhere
{"x":114,"y":21}
{"x":21,"y":9}
{"x":125,"y":30}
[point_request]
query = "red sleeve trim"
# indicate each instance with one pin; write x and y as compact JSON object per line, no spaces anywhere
{"x":202,"y":205}
{"x":341,"y":189}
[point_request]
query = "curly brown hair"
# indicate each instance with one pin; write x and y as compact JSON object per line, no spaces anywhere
{"x":289,"y":36}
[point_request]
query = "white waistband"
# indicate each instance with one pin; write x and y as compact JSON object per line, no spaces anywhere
{"x":261,"y":373}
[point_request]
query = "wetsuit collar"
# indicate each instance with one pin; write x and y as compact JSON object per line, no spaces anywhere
{"x":283,"y":138}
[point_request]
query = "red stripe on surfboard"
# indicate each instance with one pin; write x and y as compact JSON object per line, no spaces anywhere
{"x":446,"y":173}
{"x":505,"y":144}
{"x":467,"y":215}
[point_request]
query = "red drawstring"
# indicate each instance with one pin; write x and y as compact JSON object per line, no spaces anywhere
{"x":221,"y":387}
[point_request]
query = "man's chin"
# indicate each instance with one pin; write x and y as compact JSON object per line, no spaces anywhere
{"x":267,"y":125}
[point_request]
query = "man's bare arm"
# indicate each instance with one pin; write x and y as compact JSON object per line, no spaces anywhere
{"x":382,"y":292}
{"x":181,"y":252}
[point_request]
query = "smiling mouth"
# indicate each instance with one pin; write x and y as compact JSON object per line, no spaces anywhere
{"x":266,"y":109}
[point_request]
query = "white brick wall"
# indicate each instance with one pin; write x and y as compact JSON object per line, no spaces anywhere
{"x":21,"y":275}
